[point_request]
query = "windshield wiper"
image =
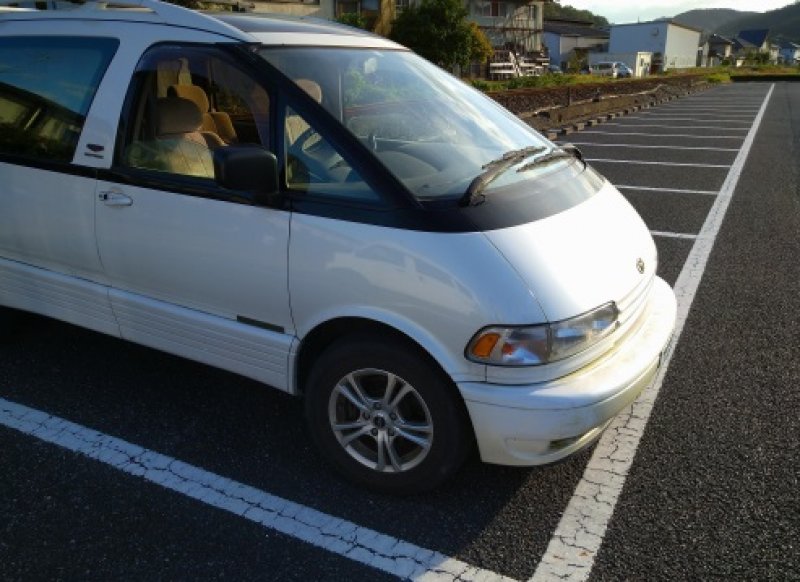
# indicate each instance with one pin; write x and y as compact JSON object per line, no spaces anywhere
{"x":565,"y":151}
{"x":493,"y":169}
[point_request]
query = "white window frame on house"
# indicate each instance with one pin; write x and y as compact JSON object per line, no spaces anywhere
{"x":487,"y":7}
{"x":483,"y":8}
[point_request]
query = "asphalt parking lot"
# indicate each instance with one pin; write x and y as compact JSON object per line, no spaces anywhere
{"x":173,"y":470}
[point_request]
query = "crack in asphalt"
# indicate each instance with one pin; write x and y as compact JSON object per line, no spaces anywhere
{"x":380,"y":551}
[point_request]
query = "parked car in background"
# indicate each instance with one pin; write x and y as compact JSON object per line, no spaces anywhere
{"x":554,"y":70}
{"x":624,"y":71}
{"x":608,"y":69}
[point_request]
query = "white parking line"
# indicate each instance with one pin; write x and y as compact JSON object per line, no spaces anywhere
{"x":319,"y":529}
{"x":656,"y":163}
{"x":746,"y":121}
{"x":693,"y":108}
{"x":744,"y":107}
{"x":637,"y":146}
{"x":664,"y":234}
{"x":659,"y":112}
{"x":712,"y":101}
{"x":717,"y":127}
{"x":686,"y":135}
{"x":673,"y":190}
{"x":579,"y":535}
{"x":694,"y":105}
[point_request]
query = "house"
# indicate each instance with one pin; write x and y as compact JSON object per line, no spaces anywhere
{"x":719,"y":49}
{"x":570,"y":40}
{"x":790,"y":53}
{"x":752,"y":44}
{"x":674,"y":45}
{"x":516,"y":25}
{"x":756,"y":39}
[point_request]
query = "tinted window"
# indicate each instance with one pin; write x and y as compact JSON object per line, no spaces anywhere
{"x":46,"y":88}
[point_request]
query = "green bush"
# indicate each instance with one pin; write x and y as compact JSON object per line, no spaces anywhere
{"x":719,"y":78}
{"x":352,"y":19}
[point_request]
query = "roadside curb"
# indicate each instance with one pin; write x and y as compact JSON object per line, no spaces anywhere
{"x":594,"y":121}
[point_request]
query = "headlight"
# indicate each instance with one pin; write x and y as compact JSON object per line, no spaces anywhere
{"x":539,"y":344}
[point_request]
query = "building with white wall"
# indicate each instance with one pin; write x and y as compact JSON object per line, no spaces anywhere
{"x":719,"y":49}
{"x":512,"y":24}
{"x":674,"y":45}
{"x":572,"y":40}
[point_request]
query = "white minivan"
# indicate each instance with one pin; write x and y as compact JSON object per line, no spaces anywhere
{"x":322,"y":210}
{"x":613,"y":69}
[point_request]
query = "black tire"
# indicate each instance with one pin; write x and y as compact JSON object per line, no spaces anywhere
{"x":10,"y":323}
{"x":429,"y":400}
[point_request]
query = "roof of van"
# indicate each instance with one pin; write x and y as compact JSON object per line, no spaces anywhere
{"x":246,"y":27}
{"x":283,"y":30}
{"x":255,"y":23}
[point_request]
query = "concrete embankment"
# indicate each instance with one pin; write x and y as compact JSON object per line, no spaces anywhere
{"x":566,"y":108}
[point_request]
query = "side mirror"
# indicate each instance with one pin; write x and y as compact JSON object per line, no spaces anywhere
{"x":249,"y":170}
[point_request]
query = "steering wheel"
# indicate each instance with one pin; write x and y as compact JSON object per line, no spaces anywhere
{"x":316,"y":155}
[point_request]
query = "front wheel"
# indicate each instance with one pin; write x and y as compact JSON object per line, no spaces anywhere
{"x":385,"y":416}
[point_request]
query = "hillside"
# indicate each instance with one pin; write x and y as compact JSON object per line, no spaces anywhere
{"x":711,"y":19}
{"x":783,"y":23}
{"x":553,"y":10}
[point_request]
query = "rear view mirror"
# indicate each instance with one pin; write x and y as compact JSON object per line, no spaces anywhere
{"x":249,"y":170}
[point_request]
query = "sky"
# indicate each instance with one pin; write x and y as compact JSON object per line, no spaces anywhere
{"x":621,"y":11}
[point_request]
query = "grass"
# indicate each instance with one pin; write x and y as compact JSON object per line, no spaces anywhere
{"x":724,"y":73}
{"x":542,"y":81}
{"x":764,"y":70}
{"x":713,"y":75}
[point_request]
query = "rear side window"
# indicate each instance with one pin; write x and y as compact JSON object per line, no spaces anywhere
{"x":46,"y":87}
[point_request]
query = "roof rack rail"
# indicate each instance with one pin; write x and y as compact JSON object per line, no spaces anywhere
{"x":159,"y":11}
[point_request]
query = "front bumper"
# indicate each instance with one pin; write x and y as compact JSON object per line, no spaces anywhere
{"x":542,"y":423}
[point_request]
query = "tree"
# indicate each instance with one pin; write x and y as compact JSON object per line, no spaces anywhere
{"x":482,"y":49}
{"x":438,"y":31}
{"x":352,"y":19}
{"x":553,"y":10}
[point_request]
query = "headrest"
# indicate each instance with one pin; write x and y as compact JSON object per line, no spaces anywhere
{"x":310,"y":87}
{"x":191,"y":92}
{"x":177,"y":115}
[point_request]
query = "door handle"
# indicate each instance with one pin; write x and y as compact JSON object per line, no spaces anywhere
{"x":115,"y":198}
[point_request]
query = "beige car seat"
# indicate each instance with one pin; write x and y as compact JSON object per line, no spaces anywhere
{"x":182,"y":146}
{"x":296,"y":125}
{"x":217,"y":122}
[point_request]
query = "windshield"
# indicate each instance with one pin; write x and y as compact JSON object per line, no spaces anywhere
{"x":433,"y":132}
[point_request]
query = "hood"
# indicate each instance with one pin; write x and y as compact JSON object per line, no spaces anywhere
{"x":583,"y":257}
